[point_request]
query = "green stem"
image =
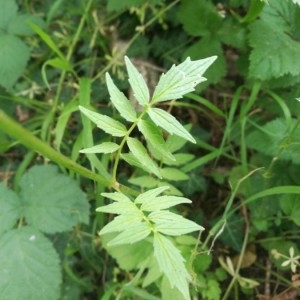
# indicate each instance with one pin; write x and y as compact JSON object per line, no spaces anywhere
{"x":25,"y":137}
{"x":116,"y":163}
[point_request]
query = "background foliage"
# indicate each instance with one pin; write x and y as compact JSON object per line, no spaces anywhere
{"x":236,"y":158}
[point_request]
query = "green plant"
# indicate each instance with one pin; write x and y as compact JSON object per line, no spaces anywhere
{"x":145,"y":221}
{"x":48,"y":203}
{"x":241,"y":174}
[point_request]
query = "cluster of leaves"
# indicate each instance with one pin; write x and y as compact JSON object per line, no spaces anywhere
{"x":178,"y":81}
{"x":147,"y":214}
{"x":249,"y":123}
{"x":48,"y":203}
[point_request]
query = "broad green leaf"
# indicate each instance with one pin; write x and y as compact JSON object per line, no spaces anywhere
{"x":30,"y":267}
{"x":154,"y":137}
{"x":20,"y":25}
{"x":290,"y":204}
{"x":173,"y":174}
{"x":169,"y":223}
{"x":119,"y":100}
{"x":277,"y":29}
{"x":181,"y":79}
{"x":52,"y":202}
{"x":277,"y":63}
{"x":171,"y":263}
{"x":137,"y":83}
{"x":162,"y":202}
{"x":169,"y":123}
{"x":132,"y":233}
{"x":106,"y":147}
{"x":140,"y":153}
{"x":14,"y":55}
{"x":10,"y":210}
{"x":150,"y":195}
{"x":107,"y":124}
{"x":8,"y":12}
{"x":284,"y":14}
{"x":119,"y":223}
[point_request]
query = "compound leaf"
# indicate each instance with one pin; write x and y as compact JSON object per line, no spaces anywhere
{"x":169,"y":223}
{"x":137,"y":83}
{"x":106,"y":147}
{"x":30,"y":267}
{"x":169,"y":123}
{"x":119,"y":100}
{"x":10,"y":208}
{"x":141,"y":155}
{"x":181,"y":79}
{"x":171,"y":263}
{"x":52,"y":202}
{"x":154,"y":137}
{"x":107,"y":124}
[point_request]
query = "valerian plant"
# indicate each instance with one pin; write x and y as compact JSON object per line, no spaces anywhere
{"x":146,"y":219}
